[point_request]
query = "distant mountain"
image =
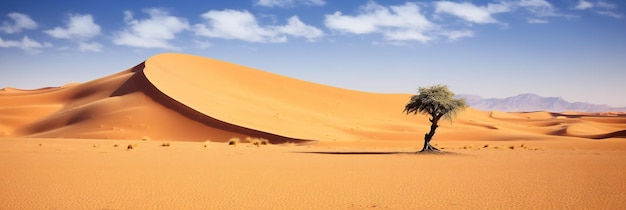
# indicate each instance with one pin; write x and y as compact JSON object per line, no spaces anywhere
{"x":533,"y":102}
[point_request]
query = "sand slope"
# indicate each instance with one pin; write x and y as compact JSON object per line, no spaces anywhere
{"x":189,"y":98}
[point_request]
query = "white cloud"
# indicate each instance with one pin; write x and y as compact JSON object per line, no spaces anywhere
{"x":583,"y":5}
{"x":78,"y":27}
{"x":234,"y":24}
{"x":25,"y":44}
{"x":535,"y":3}
{"x":471,"y":12}
{"x":21,"y":21}
{"x":540,"y":8}
{"x":242,"y":25}
{"x":611,"y":14}
{"x":605,"y":5}
{"x":396,"y":23}
{"x":599,"y":7}
{"x":297,"y":28}
{"x":484,"y":14}
{"x":89,"y":46}
{"x":289,"y":3}
{"x":154,"y":32}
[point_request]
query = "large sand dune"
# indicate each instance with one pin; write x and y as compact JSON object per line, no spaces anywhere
{"x":188,"y":98}
{"x":66,"y":147}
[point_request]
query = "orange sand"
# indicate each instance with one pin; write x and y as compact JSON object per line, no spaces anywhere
{"x":56,"y":147}
{"x":93,"y":174}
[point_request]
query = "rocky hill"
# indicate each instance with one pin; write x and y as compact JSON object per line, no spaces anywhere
{"x":533,"y":102}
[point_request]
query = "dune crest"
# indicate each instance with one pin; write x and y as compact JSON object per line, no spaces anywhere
{"x":190,"y":98}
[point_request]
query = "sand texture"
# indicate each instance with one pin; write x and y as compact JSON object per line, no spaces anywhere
{"x":331,"y":148}
{"x":94,"y":174}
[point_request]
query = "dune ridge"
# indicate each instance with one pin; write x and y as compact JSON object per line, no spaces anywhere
{"x":182,"y":97}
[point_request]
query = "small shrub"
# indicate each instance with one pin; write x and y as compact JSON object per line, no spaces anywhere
{"x":115,"y":145}
{"x":166,"y":144}
{"x":234,"y":141}
{"x":129,"y":147}
{"x":512,"y":147}
{"x":265,"y":142}
{"x":145,"y":138}
{"x":486,"y":145}
{"x":256,"y":142}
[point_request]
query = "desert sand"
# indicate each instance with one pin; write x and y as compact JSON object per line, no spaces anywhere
{"x":67,"y":147}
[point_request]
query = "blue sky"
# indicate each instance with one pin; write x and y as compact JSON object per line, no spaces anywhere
{"x":575,"y":49}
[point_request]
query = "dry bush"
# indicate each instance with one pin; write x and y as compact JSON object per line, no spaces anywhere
{"x":234,"y":141}
{"x":145,"y":138}
{"x":115,"y":145}
{"x":511,"y":147}
{"x":130,"y":146}
{"x":248,"y":140}
{"x":256,"y":142}
{"x":166,"y":144}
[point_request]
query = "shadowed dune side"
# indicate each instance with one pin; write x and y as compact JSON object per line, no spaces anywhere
{"x":189,"y":98}
{"x":121,"y":106}
{"x":139,"y":83}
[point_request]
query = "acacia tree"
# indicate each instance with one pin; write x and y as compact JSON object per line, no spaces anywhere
{"x":438,"y":102}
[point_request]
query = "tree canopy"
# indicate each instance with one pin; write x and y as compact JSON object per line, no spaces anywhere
{"x":437,"y":101}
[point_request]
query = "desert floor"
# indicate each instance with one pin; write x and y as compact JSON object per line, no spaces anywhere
{"x":96,"y":174}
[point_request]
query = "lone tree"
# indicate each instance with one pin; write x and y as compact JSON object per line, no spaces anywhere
{"x":437,"y":101}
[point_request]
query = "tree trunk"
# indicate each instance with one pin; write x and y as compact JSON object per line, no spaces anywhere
{"x":429,"y":136}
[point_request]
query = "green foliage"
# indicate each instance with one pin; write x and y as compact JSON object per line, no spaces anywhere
{"x":437,"y":101}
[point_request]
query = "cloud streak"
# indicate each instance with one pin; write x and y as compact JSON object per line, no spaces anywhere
{"x":242,"y":25}
{"x":153,"y":32}
{"x":80,"y":28}
{"x":289,"y":3}
{"x":599,"y":7}
{"x":26,"y":44}
{"x":20,"y":22}
{"x":470,"y":12}
{"x":395,"y":23}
